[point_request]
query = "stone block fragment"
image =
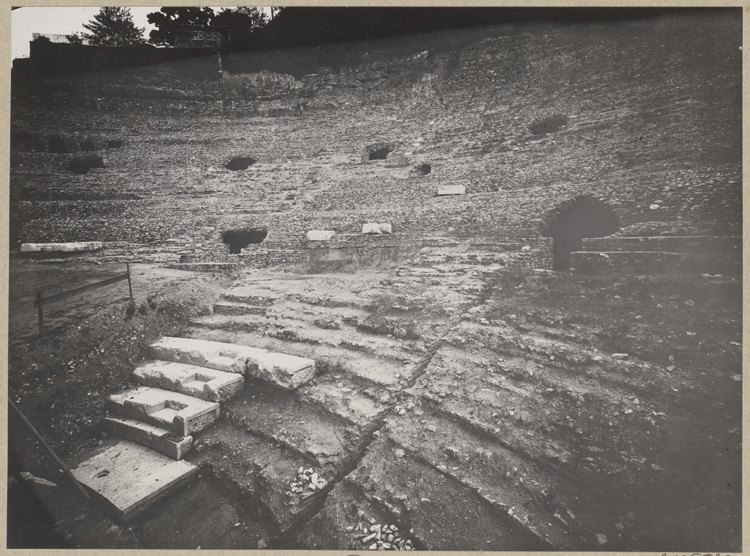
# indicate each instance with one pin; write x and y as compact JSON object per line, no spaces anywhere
{"x":373,"y":228}
{"x":320,"y":235}
{"x":191,"y":380}
{"x":131,"y":477}
{"x":69,"y":247}
{"x":451,"y":190}
{"x":156,"y":438}
{"x":286,"y":371}
{"x":173,"y":411}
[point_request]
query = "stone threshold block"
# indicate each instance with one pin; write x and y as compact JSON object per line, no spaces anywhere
{"x":199,"y":382}
{"x":161,"y":440}
{"x":451,"y":190}
{"x":320,"y":235}
{"x":61,"y":247}
{"x":131,"y":477}
{"x":372,"y":228}
{"x":173,"y":411}
{"x":285,"y":371}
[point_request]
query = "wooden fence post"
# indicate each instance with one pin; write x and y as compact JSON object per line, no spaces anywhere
{"x":39,"y":300}
{"x":51,"y":452}
{"x":130,"y":287}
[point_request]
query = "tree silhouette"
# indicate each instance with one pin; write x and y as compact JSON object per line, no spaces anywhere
{"x":113,"y":26}
{"x":236,"y":24}
{"x":169,"y":20}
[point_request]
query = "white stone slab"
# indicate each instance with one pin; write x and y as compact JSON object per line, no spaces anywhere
{"x":61,"y":247}
{"x":204,"y":353}
{"x":372,"y":228}
{"x":165,"y":409}
{"x":131,"y":477}
{"x":156,"y":438}
{"x":451,"y":190}
{"x":285,"y":371}
{"x":320,"y":235}
{"x":191,"y":380}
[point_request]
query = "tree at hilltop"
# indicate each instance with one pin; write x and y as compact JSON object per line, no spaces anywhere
{"x":113,"y":26}
{"x":236,"y":24}
{"x":240,"y":22}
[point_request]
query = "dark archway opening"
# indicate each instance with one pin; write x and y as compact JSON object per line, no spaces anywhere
{"x":587,"y":217}
{"x":240,"y":163}
{"x":380,"y":154}
{"x":57,"y":144}
{"x":549,"y":125}
{"x":83,"y":164}
{"x":239,"y":239}
{"x":424,"y":169}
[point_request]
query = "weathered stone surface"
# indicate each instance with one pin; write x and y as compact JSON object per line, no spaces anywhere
{"x":671,"y":244}
{"x":191,"y":380}
{"x":61,"y":247}
{"x":372,"y":228}
{"x":230,"y":308}
{"x":320,"y":235}
{"x":214,"y":355}
{"x":285,"y":371}
{"x":451,"y":190}
{"x":630,"y":262}
{"x":169,"y":410}
{"x":130,"y":477}
{"x":156,"y":438}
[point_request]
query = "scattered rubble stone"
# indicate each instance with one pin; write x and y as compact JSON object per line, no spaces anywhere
{"x":382,"y":537}
{"x":308,"y":481}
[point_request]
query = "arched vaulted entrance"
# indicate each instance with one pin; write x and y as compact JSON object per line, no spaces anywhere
{"x":573,"y":220}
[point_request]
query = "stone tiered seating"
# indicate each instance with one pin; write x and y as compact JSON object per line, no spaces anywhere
{"x":659,"y":255}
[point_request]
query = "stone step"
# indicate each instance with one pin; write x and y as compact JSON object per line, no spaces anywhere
{"x":672,"y":244}
{"x":285,"y":371}
{"x":370,"y":367}
{"x":234,"y":308}
{"x":360,"y":405}
{"x":494,"y":472}
{"x":230,"y":450}
{"x":161,"y":440}
{"x":285,"y":418}
{"x":173,"y":411}
{"x":655,"y":263}
{"x":439,"y":508}
{"x":253,"y":295}
{"x":205,"y":267}
{"x":130,"y":477}
{"x":207,"y":384}
{"x":629,"y":262}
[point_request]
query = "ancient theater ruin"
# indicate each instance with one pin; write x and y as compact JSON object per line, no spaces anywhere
{"x":469,"y":280}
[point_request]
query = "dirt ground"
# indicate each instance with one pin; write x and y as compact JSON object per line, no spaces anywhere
{"x":476,"y":408}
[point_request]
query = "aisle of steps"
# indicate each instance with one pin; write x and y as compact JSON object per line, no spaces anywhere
{"x":370,"y":341}
{"x":152,"y":426}
{"x":659,"y":255}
